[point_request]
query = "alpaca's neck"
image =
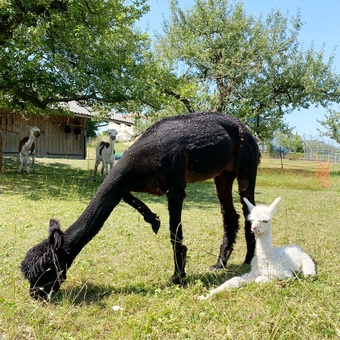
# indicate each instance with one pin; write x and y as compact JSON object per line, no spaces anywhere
{"x":29,"y":143}
{"x":92,"y":219}
{"x":264,"y":246}
{"x":112,"y":146}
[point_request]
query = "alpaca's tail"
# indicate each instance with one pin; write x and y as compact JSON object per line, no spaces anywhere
{"x":248,"y":159}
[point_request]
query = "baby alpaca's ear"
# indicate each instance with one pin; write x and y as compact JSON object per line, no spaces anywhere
{"x":249,"y":205}
{"x":273,"y":206}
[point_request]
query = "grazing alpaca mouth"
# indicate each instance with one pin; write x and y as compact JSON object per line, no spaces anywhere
{"x":38,"y":293}
{"x":44,"y":291}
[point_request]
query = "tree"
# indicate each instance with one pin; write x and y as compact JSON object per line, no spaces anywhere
{"x":252,"y":68}
{"x":91,"y":128}
{"x":60,"y":50}
{"x":332,"y":125}
{"x":288,"y":140}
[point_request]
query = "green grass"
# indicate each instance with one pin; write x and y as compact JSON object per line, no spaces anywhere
{"x":127,"y":265}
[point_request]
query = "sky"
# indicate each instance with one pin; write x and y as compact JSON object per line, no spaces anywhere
{"x":321,"y":27}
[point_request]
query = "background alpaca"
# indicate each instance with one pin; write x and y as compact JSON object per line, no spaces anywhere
{"x":105,"y":152}
{"x":268,"y":263}
{"x":27,"y":149}
{"x":168,"y":155}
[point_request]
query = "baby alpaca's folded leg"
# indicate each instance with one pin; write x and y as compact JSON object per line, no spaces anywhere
{"x":308,"y":266}
{"x":235,"y":282}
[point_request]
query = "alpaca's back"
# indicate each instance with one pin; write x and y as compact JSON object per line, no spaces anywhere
{"x":293,"y":259}
{"x":206,"y":143}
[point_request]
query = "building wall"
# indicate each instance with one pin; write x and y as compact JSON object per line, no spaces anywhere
{"x":125,"y":132}
{"x":54,"y":141}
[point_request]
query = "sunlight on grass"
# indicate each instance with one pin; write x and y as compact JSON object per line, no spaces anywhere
{"x":127,"y":265}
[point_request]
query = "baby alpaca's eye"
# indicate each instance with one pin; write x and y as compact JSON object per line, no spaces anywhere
{"x":266,"y":221}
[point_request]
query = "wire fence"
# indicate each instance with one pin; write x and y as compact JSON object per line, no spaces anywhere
{"x":314,"y":149}
{"x":321,"y":149}
{"x":318,"y":155}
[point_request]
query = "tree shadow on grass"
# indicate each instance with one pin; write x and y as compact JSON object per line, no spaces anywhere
{"x":52,"y":180}
{"x":63,"y":181}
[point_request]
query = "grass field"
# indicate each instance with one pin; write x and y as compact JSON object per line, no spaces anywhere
{"x":127,"y":265}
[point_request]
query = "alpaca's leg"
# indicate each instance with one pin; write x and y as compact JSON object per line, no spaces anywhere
{"x":224,"y":184}
{"x":106,"y":168}
{"x":308,"y":265}
{"x":21,"y":160}
{"x":95,"y":169}
{"x":33,"y":162}
{"x":112,"y":163}
{"x":250,"y":237}
{"x":103,"y":167}
{"x":28,"y":161}
{"x":175,"y":203}
{"x":148,"y":215}
{"x":247,"y":162}
{"x":234,"y":282}
{"x":262,"y":279}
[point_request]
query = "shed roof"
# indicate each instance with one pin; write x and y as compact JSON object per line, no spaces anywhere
{"x":88,"y":112}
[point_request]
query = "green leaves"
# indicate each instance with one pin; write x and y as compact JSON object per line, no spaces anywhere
{"x":54,"y":51}
{"x":253,"y":68}
{"x":332,"y":125}
{"x":212,"y":56}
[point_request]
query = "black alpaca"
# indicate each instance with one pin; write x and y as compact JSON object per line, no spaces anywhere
{"x":170,"y":154}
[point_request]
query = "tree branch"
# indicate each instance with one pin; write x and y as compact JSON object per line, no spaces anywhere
{"x":185,"y":101}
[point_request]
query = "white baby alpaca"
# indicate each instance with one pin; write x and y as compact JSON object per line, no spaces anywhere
{"x":268,"y":264}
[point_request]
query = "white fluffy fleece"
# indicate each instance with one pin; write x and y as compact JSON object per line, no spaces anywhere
{"x":268,"y":264}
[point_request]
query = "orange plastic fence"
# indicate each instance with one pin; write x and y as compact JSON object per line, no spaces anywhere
{"x":323,"y":173}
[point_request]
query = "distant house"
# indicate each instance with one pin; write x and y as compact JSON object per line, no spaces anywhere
{"x":61,"y":136}
{"x":125,"y":126}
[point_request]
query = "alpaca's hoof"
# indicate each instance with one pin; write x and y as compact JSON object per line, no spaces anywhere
{"x":248,"y":259}
{"x":246,"y":262}
{"x":156,"y":225}
{"x":154,"y":220}
{"x":218,"y":266}
{"x":178,"y":279}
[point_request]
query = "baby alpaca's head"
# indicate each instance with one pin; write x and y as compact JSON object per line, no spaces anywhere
{"x":261,"y":216}
{"x":112,"y":133}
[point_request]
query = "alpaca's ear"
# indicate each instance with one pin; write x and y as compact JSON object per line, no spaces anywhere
{"x":273,"y":206}
{"x":56,"y":236}
{"x":249,"y":205}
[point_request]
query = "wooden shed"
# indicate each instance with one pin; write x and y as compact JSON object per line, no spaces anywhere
{"x":61,"y":136}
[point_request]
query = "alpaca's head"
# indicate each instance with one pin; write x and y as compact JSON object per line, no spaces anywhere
{"x":112,"y":133}
{"x":261,"y":216}
{"x":34,"y":131}
{"x":45,"y":264}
